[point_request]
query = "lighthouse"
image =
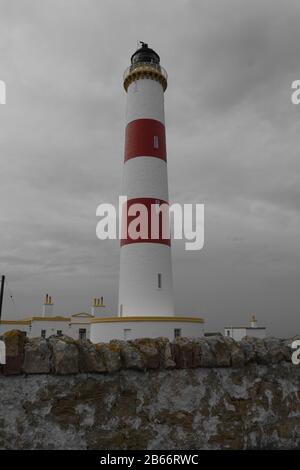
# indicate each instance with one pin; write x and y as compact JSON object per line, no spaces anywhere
{"x":145,"y":284}
{"x":145,"y":301}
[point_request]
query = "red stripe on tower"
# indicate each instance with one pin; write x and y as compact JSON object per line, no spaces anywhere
{"x":145,"y":220}
{"x":145,"y":137}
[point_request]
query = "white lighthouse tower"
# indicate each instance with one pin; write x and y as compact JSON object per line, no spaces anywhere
{"x":145,"y":305}
{"x":145,"y":287}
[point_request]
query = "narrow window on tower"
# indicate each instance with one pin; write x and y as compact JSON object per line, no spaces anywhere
{"x":155,"y":142}
{"x":121,"y":310}
{"x":43,"y":334}
{"x":159,"y":280}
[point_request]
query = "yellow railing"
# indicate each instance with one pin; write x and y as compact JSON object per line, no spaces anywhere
{"x":145,"y":65}
{"x":145,"y":70}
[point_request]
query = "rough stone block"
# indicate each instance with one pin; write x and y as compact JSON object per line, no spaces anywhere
{"x":237,"y":356}
{"x":90,"y":358}
{"x":220,"y":350}
{"x":186,"y":353}
{"x":275,"y":349}
{"x":111,"y":355}
{"x":165,"y":353}
{"x":262,"y":355}
{"x":37,"y":357}
{"x":64,"y":355}
{"x":130,"y":355}
{"x":14,"y":343}
{"x":149,"y":350}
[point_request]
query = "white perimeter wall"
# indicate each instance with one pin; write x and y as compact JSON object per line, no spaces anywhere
{"x":104,"y":332}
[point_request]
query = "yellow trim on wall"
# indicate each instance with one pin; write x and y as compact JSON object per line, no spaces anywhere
{"x":15,"y":322}
{"x":84,"y":314}
{"x":30,"y":320}
{"x":51,"y":319}
{"x":145,"y":319}
{"x":107,"y":320}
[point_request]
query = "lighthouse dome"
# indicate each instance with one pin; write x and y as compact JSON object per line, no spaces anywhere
{"x":145,"y":54}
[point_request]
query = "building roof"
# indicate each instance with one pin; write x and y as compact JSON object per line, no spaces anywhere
{"x":94,"y":319}
{"x":244,"y":327}
{"x":56,"y":318}
{"x":145,"y":319}
{"x":83,"y":314}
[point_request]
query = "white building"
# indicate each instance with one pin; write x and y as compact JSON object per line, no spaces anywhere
{"x":76,"y":326}
{"x":239,"y":332}
{"x":99,"y":325}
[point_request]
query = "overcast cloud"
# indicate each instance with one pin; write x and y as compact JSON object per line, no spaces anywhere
{"x":233,"y":144}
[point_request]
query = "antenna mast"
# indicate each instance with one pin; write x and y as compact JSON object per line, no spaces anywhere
{"x":1,"y":294}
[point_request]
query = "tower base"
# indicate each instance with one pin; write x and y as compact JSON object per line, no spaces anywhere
{"x":104,"y":330}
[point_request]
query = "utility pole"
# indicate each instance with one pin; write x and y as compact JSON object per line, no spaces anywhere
{"x":1,"y":294}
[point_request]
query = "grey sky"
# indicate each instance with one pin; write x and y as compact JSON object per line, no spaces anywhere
{"x":233,"y":143}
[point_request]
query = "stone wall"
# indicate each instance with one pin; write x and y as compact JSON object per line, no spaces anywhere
{"x":207,"y":393}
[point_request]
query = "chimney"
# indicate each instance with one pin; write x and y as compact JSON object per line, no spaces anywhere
{"x":48,"y":306}
{"x":253,"y":322}
{"x":97,"y":306}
